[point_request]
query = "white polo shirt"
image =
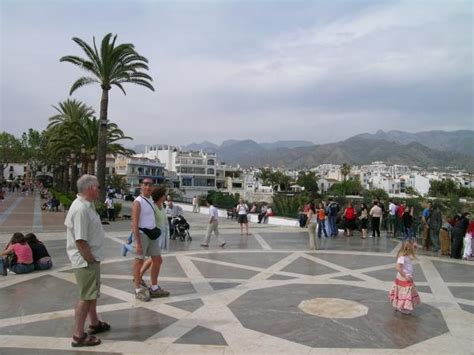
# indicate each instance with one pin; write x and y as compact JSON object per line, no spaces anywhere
{"x":83,"y":223}
{"x":213,"y":213}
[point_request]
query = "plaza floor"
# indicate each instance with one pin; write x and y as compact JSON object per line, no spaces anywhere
{"x":263,"y":293}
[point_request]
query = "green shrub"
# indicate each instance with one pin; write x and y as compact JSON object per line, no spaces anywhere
{"x":118,"y":208}
{"x":223,"y":199}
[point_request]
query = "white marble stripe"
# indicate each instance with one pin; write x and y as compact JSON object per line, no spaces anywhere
{"x":262,"y":242}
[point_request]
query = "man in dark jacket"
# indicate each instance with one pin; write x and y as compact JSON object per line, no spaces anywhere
{"x":434,"y":222}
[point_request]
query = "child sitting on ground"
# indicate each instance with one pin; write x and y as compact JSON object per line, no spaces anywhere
{"x":404,"y":296}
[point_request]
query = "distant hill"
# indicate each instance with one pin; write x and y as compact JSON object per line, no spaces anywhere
{"x":454,"y":141}
{"x":357,"y":151}
{"x":228,"y":145}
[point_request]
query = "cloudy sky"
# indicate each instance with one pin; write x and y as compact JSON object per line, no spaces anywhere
{"x":259,"y":69}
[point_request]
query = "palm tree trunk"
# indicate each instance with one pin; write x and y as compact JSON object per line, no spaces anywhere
{"x":102,"y":144}
{"x":66,"y":178}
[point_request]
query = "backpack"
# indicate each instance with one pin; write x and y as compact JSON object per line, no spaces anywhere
{"x":333,"y":209}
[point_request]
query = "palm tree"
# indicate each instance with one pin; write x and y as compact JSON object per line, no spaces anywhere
{"x":112,"y":65}
{"x":345,"y":170}
{"x":74,"y":129}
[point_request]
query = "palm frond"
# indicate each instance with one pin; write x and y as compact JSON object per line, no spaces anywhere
{"x":81,"y":82}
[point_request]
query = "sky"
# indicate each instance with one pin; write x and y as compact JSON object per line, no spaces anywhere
{"x":320,"y":71}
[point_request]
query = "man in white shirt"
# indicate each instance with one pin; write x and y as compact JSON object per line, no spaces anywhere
{"x":376,"y":214}
{"x":195,"y":204}
{"x":85,"y":239}
{"x":109,"y":204}
{"x":213,"y":226}
{"x":392,"y":213}
{"x":172,"y":211}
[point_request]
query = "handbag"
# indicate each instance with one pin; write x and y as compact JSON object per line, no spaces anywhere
{"x":153,"y":233}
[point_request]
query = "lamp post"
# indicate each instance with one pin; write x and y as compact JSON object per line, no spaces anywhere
{"x":84,"y":160}
{"x":92,"y":165}
{"x":73,"y":187}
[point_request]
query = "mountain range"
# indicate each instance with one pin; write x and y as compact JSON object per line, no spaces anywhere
{"x":424,"y":149}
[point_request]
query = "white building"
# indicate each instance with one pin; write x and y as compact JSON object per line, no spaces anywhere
{"x":15,"y":171}
{"x":135,"y":169}
{"x":195,"y":170}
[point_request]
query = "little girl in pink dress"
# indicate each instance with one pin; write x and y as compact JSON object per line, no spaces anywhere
{"x":403,"y":294}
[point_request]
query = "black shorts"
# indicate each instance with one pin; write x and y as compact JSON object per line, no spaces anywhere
{"x":242,"y":218}
{"x":364,"y":223}
{"x":351,"y":224}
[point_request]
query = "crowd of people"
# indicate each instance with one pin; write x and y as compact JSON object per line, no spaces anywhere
{"x":447,"y":236}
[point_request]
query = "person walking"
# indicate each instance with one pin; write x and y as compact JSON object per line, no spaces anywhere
{"x":375,"y":214}
{"x":85,"y":241}
{"x":145,"y":235}
{"x":195,"y":204}
{"x":364,"y":219}
{"x":213,"y":226}
{"x":242,"y":211}
{"x":109,"y":204}
{"x":434,"y":223}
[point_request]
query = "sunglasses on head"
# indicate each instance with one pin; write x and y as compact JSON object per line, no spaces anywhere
{"x":147,"y":183}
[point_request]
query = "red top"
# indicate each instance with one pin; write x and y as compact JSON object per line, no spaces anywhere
{"x":23,"y":253}
{"x":470,"y":229}
{"x":350,"y":213}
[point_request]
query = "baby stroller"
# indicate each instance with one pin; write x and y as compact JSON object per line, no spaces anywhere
{"x":180,"y":228}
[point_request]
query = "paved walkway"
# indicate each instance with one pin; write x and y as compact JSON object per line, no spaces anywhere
{"x":264,"y":293}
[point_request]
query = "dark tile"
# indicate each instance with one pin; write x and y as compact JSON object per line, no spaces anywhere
{"x":390,"y":274}
{"x":308,"y":267}
{"x":202,"y":336}
{"x":466,"y":293}
{"x":40,"y":295}
{"x":347,"y":278}
{"x":189,"y":306}
{"x":263,"y":260}
{"x":354,"y":261}
{"x":223,"y":285}
{"x":451,"y":272}
{"x":425,"y":289}
{"x":467,"y":308}
{"x":175,"y":288}
{"x":134,"y":324}
{"x":211,"y":271}
{"x":275,"y":311}
{"x":290,"y":241}
{"x":280,"y":277}
{"x":169,"y":268}
{"x":233,"y":242}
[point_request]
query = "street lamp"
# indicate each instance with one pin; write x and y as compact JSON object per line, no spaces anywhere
{"x":92,"y":165}
{"x":74,"y":172}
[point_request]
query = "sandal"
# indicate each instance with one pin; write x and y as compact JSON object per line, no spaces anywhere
{"x":85,"y":340}
{"x":99,"y":328}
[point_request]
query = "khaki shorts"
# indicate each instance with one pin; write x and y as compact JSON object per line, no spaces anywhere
{"x":149,"y":247}
{"x":88,"y":282}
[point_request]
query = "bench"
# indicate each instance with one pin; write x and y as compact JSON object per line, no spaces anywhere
{"x":231,"y":214}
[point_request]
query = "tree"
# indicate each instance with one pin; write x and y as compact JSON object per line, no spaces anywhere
{"x":10,"y":151}
{"x":118,"y":182}
{"x":74,"y":129}
{"x":309,"y":181}
{"x":113,"y":65}
{"x":349,"y":187}
{"x":345,"y":170}
{"x":409,"y":190}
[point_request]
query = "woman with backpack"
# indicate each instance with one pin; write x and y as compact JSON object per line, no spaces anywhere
{"x":349,"y":219}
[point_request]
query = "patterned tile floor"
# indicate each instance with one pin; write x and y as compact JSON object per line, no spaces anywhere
{"x":246,"y":298}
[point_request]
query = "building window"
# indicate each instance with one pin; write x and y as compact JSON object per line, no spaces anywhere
{"x":11,"y":168}
{"x":211,"y":162}
{"x":187,"y":181}
{"x":210,"y":171}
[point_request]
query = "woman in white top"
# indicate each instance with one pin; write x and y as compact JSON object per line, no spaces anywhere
{"x":242,"y":211}
{"x":311,"y":223}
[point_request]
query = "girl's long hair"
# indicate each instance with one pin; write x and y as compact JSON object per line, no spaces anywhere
{"x":407,"y":249}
